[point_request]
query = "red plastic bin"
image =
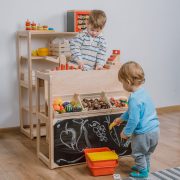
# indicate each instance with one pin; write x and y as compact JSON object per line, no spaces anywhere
{"x":101,"y":171}
{"x":103,"y":167}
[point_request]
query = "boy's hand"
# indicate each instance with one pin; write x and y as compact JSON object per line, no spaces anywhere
{"x":98,"y":68}
{"x":81,"y":64}
{"x":117,"y":121}
{"x":123,"y":136}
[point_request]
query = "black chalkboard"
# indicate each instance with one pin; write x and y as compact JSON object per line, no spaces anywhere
{"x":71,"y":136}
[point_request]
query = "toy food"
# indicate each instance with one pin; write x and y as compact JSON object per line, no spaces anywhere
{"x":63,"y":107}
{"x":112,"y":125}
{"x":94,"y":104}
{"x":119,"y":102}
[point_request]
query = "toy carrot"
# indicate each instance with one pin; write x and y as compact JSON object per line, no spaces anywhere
{"x":112,"y":125}
{"x":117,"y":121}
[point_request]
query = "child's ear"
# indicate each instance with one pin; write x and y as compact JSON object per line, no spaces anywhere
{"x":128,"y":81}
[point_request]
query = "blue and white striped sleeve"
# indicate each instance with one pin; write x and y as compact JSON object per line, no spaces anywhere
{"x":101,"y":55}
{"x":75,"y":46}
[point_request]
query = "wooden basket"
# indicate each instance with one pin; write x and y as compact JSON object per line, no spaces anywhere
{"x":94,"y":96}
{"x":69,"y":98}
{"x":116,"y":96}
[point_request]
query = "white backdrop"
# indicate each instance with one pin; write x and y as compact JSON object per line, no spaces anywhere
{"x":145,"y":31}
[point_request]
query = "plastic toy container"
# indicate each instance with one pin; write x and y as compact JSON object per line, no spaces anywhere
{"x":101,"y":171}
{"x":43,"y":52}
{"x":101,"y":161}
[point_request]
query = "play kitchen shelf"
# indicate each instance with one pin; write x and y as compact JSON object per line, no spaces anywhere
{"x":68,"y":130}
{"x":28,"y":64}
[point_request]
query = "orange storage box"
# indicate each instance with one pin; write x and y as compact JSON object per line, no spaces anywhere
{"x":101,"y":171}
{"x":101,"y":161}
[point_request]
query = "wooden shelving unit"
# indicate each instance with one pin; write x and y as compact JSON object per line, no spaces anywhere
{"x":26,"y":41}
{"x":66,"y":84}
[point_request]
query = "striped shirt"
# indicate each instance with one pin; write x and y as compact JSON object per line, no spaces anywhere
{"x":90,"y":50}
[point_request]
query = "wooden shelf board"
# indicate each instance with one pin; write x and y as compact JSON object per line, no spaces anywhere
{"x":26,"y":131}
{"x":26,"y":108}
{"x":53,"y":59}
{"x":46,"y":32}
{"x":25,"y":84}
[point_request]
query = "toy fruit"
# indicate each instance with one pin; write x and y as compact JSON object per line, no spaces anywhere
{"x":65,"y":104}
{"x":112,"y":125}
{"x":56,"y":107}
{"x":58,"y":101}
{"x":73,"y":103}
{"x":34,"y":53}
{"x":69,"y":108}
{"x":77,"y":108}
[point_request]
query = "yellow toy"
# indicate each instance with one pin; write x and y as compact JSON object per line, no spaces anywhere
{"x":112,"y":125}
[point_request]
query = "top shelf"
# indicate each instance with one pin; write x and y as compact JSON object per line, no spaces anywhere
{"x":44,"y":33}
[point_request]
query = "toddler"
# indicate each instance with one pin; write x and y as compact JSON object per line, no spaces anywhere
{"x":142,"y":122}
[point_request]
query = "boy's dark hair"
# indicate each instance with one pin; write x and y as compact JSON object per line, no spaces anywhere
{"x":97,"y":19}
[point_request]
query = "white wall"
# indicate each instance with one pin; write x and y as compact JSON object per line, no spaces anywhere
{"x":145,"y":31}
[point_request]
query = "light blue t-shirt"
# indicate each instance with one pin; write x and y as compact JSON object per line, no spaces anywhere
{"x":141,"y":115}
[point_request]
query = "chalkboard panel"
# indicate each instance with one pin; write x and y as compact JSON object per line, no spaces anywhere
{"x":71,"y":136}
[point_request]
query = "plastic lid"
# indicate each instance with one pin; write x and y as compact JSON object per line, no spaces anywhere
{"x":102,"y":156}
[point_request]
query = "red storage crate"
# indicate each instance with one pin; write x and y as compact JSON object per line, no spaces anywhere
{"x":101,"y":171}
{"x":100,"y":167}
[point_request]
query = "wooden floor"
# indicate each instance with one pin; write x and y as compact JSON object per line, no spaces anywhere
{"x":18,"y":159}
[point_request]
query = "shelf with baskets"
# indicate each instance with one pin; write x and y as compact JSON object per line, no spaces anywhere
{"x":72,"y":91}
{"x":28,"y":64}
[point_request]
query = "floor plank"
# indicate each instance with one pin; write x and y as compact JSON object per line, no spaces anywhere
{"x":19,"y":161}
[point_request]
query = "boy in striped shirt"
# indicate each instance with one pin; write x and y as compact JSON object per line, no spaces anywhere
{"x":89,"y":47}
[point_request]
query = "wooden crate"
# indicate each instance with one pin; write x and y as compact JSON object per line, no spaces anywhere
{"x":61,"y":84}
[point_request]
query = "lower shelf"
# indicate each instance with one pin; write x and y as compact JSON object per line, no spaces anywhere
{"x":26,"y":131}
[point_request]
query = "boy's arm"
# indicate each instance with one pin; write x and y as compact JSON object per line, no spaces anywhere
{"x":75,"y":46}
{"x":134,"y":117}
{"x":101,"y":55}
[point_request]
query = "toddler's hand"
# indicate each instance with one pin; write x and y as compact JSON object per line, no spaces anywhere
{"x":98,"y":68}
{"x":117,"y":121}
{"x":123,"y":136}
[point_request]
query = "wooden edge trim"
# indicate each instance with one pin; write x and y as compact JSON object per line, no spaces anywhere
{"x":168,"y":109}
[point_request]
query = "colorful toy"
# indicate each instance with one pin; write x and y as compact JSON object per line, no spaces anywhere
{"x":114,"y":58}
{"x":45,"y":27}
{"x":120,"y":102}
{"x":42,"y":51}
{"x":69,"y":108}
{"x":112,"y":125}
{"x":28,"y":24}
{"x":76,"y":20}
{"x":65,"y":107}
{"x":65,"y":104}
{"x":77,"y":108}
{"x":58,"y":101}
{"x":33,"y":26}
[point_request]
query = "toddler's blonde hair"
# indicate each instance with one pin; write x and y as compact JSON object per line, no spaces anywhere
{"x":97,"y":19}
{"x":132,"y":73}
